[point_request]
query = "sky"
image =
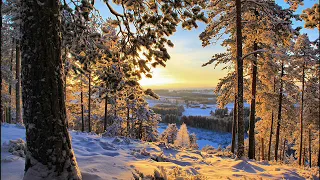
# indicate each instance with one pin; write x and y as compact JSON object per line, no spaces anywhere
{"x":183,"y":70}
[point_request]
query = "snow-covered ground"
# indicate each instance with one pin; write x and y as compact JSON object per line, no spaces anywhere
{"x":206,"y":137}
{"x":110,"y":158}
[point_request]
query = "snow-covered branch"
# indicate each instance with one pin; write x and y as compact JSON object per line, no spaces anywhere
{"x":255,"y":52}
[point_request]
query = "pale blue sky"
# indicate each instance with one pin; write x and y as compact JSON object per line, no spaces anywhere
{"x":184,"y":68}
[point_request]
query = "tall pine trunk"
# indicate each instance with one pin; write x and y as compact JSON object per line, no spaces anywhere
{"x":310,"y":155}
{"x":89,"y":104}
{"x":18,"y":82}
{"x":319,"y":117}
{"x":10,"y":86}
{"x":262,"y":149}
{"x":65,"y":95}
{"x":128,"y":120}
{"x":105,"y":113}
{"x":234,"y":124}
{"x":284,"y":150}
{"x":303,"y":155}
{"x":240,"y":150}
{"x":115,"y":106}
{"x":1,"y":109}
{"x":271,"y":126}
{"x":49,"y":150}
{"x":82,"y":108}
{"x":279,"y":113}
{"x":301,"y":114}
{"x":251,"y":153}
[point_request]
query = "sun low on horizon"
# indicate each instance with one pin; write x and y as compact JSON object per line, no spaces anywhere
{"x":159,"y":79}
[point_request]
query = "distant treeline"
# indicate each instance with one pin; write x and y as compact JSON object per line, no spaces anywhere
{"x":221,"y":121}
{"x":210,"y":123}
{"x":165,"y":109}
{"x":221,"y":113}
{"x":203,"y":97}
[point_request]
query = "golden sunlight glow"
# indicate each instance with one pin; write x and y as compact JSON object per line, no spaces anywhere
{"x":159,"y":78}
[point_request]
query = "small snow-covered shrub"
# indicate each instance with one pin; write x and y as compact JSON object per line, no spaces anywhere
{"x":170,"y":134}
{"x":139,"y":153}
{"x":193,"y":141}
{"x":178,"y":173}
{"x":169,"y":174}
{"x":114,"y":129}
{"x":17,"y":147}
{"x":144,"y":152}
{"x":124,"y":141}
{"x":159,"y":157}
{"x":225,"y":153}
{"x":209,"y":149}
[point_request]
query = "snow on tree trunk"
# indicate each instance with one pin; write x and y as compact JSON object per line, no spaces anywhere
{"x":240,"y":150}
{"x":49,"y":151}
{"x":251,"y":153}
{"x":183,"y":139}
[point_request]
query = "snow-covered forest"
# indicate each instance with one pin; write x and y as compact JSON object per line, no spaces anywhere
{"x":72,"y":106}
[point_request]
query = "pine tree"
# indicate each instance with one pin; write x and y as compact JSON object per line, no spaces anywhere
{"x":305,"y":60}
{"x":183,"y":139}
{"x":239,"y":68}
{"x":279,"y":118}
{"x":43,"y":109}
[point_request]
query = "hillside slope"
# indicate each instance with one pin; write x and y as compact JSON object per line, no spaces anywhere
{"x":121,"y":158}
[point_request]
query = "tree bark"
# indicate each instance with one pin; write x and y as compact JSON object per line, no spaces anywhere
{"x":319,"y":117}
{"x":240,"y":150}
{"x":284,"y":150}
{"x":1,"y":108}
{"x":234,"y":124}
{"x":10,"y":86}
{"x":279,"y":113}
{"x":115,"y":106}
{"x":105,"y":113}
{"x":89,"y":104}
{"x":272,"y":120}
{"x":18,"y":82}
{"x":262,"y":147}
{"x":82,"y":108}
{"x":128,"y":120}
{"x":251,"y":152}
{"x":303,"y":155}
{"x":310,"y":155}
{"x":49,"y":150}
{"x":65,"y":95}
{"x":301,"y":113}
